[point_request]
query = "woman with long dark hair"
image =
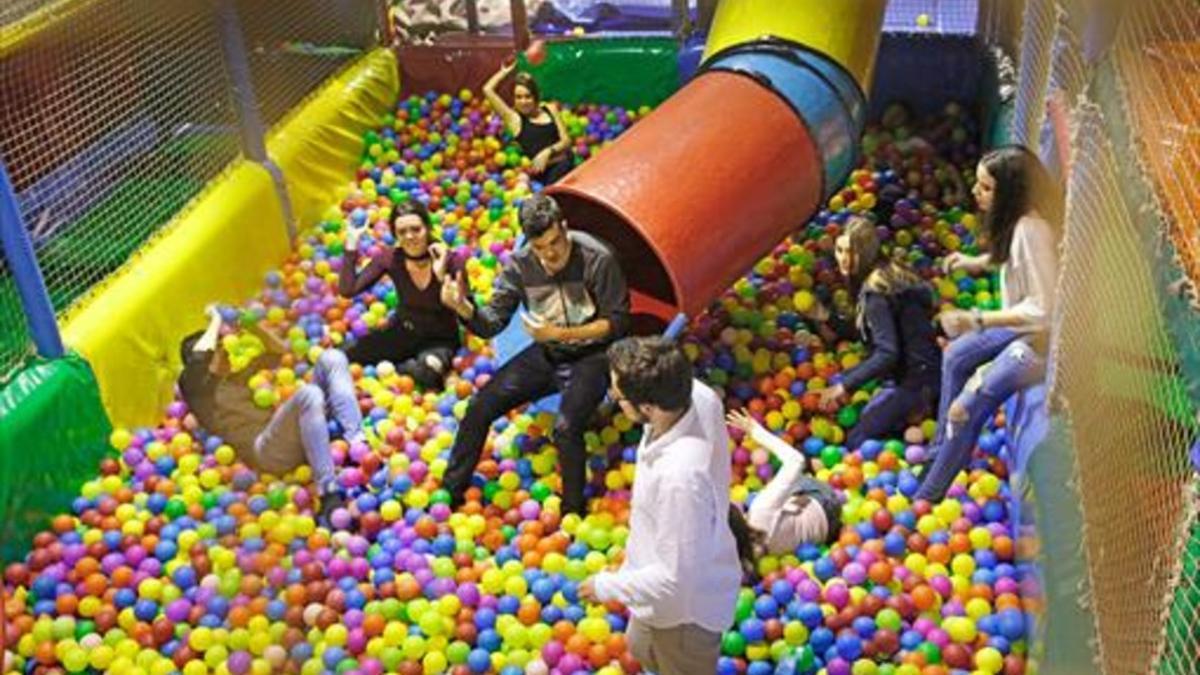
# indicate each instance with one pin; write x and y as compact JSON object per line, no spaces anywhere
{"x":1022,"y":218}
{"x":536,"y":126}
{"x":423,"y":335}
{"x":894,"y":316}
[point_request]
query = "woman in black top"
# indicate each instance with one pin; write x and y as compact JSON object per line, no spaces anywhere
{"x":537,"y":127}
{"x":423,"y":335}
{"x":894,"y":317}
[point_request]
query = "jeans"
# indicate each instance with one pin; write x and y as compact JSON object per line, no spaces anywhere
{"x":425,"y":361}
{"x":529,"y":376}
{"x":1014,"y":365}
{"x":890,"y":407}
{"x":299,"y":430}
{"x":556,"y":171}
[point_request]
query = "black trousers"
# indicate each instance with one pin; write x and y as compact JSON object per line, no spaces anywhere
{"x":529,"y":376}
{"x":411,"y":353}
{"x":556,"y":171}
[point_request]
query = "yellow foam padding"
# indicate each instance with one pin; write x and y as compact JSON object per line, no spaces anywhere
{"x":217,"y":250}
{"x":846,"y":30}
{"x":318,"y":146}
{"x":221,"y":245}
{"x":13,"y":35}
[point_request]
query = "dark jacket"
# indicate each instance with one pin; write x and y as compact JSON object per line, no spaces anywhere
{"x":418,"y":310}
{"x":899,"y":331}
{"x":590,"y":287}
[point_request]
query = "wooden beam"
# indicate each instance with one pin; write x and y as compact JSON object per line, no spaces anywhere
{"x":520,"y":25}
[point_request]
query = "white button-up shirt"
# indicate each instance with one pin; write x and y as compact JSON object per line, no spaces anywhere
{"x":681,"y":564}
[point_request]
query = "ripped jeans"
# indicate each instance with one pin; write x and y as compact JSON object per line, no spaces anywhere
{"x":969,"y":400}
{"x":299,"y":430}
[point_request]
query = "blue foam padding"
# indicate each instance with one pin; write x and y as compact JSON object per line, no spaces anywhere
{"x":510,"y":342}
{"x":1026,"y":423}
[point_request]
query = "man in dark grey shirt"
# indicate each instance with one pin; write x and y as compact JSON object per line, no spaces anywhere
{"x":577,"y":303}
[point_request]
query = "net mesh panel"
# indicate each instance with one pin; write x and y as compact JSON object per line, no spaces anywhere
{"x":12,"y":11}
{"x":1157,"y":58}
{"x":938,"y":16}
{"x":417,"y":21}
{"x":1066,"y":81}
{"x":1037,"y":37}
{"x":1124,"y":403}
{"x":1181,"y":648}
{"x":295,"y":46}
{"x":114,"y":115}
{"x":1118,"y":380}
{"x":15,"y":343}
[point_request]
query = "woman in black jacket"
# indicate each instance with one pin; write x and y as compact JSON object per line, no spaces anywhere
{"x":894,"y":317}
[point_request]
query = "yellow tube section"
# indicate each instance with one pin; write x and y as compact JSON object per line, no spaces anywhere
{"x":13,"y":35}
{"x":218,"y":249}
{"x":847,"y":31}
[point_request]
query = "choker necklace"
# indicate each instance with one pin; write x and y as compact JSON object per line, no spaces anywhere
{"x":417,"y":258}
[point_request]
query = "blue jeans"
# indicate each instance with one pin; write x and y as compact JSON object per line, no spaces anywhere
{"x":1014,"y":366}
{"x":299,"y":430}
{"x":889,"y":409}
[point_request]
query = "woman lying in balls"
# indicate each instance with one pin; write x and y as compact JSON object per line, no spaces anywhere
{"x":792,"y":509}
{"x":278,"y":440}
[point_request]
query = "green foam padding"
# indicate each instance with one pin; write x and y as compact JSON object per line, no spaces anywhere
{"x":1181,"y":650}
{"x":15,"y":342}
{"x":627,"y":72}
{"x":53,"y":434}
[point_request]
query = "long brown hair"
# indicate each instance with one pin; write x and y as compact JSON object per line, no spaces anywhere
{"x":870,"y":269}
{"x":526,"y":80}
{"x":1022,"y":185}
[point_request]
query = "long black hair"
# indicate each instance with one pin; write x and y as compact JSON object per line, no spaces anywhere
{"x":413,"y":208}
{"x":751,"y":544}
{"x":526,"y":80}
{"x":1022,"y":185}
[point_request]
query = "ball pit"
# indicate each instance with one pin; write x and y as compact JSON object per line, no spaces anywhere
{"x":176,"y":558}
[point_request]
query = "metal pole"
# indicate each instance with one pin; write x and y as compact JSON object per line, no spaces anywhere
{"x":250,"y":124}
{"x":705,"y":11}
{"x":473,"y":17}
{"x":520,"y":24}
{"x":680,"y":16}
{"x":387,"y":30}
{"x":31,"y":286}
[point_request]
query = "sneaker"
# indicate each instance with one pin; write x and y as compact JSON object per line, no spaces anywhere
{"x":330,"y":502}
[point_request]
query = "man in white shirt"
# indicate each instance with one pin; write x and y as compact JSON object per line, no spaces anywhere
{"x":681,"y":573}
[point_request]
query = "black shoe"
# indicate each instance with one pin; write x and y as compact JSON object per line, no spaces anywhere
{"x":578,"y":508}
{"x":330,"y":502}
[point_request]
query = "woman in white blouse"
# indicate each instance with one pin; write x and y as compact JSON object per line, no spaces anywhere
{"x":1022,"y":216}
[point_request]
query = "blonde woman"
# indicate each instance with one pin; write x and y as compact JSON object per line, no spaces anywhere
{"x":894,"y":316}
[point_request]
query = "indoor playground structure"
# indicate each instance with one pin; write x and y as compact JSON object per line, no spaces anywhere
{"x":159,"y":157}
